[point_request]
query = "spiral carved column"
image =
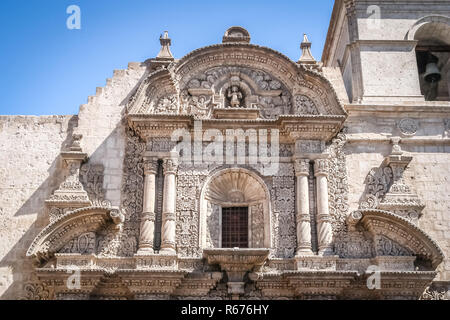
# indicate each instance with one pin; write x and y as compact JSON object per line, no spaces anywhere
{"x":170,"y":166}
{"x":147,"y":229}
{"x":325,"y":232}
{"x":303,"y":216}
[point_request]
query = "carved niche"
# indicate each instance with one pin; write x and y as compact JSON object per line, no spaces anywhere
{"x":235,"y":188}
{"x":231,"y":87}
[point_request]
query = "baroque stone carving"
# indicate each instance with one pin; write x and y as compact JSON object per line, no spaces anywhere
{"x":431,"y":293}
{"x":36,"y":291}
{"x":337,"y":183}
{"x":84,"y":244}
{"x":377,"y":183}
{"x":257,"y":229}
{"x":408,"y":126}
{"x":386,"y":188}
{"x":387,"y":247}
{"x":213,"y":233}
{"x":354,"y":245}
{"x":304,"y":105}
{"x":234,"y":87}
{"x":167,"y":104}
{"x":91,"y":176}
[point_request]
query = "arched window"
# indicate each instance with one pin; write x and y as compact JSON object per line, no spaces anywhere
{"x":433,"y":56}
{"x":234,"y":211}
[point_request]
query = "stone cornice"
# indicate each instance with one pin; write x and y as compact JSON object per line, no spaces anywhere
{"x":317,"y":127}
{"x":407,"y":109}
{"x":402,"y":231}
{"x":68,"y":226}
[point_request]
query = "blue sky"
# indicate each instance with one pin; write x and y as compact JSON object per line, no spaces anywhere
{"x":49,"y":69}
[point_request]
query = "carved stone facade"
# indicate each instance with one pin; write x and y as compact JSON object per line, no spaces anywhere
{"x":333,"y":191}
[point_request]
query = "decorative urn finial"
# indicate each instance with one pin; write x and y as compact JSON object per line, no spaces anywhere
{"x":166,"y":42}
{"x":307,"y":57}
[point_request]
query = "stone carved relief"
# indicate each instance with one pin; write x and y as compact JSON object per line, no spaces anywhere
{"x":133,"y":179}
{"x":199,"y":106}
{"x":112,"y":243}
{"x":354,"y":245}
{"x":208,"y":79}
{"x":57,"y":212}
{"x":123,"y":242}
{"x":235,"y":87}
{"x":257,"y":225}
{"x":282,"y":189}
{"x":36,"y":291}
{"x":189,"y":181}
{"x":167,"y":104}
{"x":386,"y":188}
{"x":431,"y":293}
{"x":272,"y":107}
{"x":213,"y":226}
{"x":337,"y":183}
{"x":83,"y":244}
{"x":234,"y":97}
{"x":377,"y":184}
{"x":91,"y":177}
{"x":304,"y":105}
{"x":408,"y":126}
{"x":387,"y":247}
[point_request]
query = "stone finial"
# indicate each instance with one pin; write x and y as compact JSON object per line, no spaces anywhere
{"x":76,"y":143}
{"x":166,"y":42}
{"x":236,"y":34}
{"x":307,"y":57}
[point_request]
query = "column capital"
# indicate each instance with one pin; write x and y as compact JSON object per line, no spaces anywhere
{"x":148,"y":216}
{"x":150,"y":165}
{"x":321,"y":167}
{"x":170,"y":165}
{"x":301,"y":167}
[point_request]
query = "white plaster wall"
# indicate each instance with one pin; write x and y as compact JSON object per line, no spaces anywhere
{"x":29,"y":166}
{"x":427,"y":174}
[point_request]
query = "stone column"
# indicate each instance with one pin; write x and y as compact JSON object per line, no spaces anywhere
{"x":147,"y":229}
{"x":302,"y":200}
{"x":324,"y":230}
{"x":170,"y":166}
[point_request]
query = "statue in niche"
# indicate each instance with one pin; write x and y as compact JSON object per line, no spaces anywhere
{"x":235,"y":96}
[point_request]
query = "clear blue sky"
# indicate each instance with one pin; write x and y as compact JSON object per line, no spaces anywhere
{"x":49,"y":69}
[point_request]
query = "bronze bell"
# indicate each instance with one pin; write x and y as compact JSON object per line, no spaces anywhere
{"x":432,"y":73}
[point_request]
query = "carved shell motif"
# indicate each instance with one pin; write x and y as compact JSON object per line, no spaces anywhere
{"x":235,"y":186}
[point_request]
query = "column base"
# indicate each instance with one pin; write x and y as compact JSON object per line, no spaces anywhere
{"x":327,"y":251}
{"x":168,"y":251}
{"x":145,"y":251}
{"x":304,"y":252}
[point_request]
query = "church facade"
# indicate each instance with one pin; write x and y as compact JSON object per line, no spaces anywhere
{"x":237,"y":173}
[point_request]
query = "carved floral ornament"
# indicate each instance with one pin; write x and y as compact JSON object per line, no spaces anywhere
{"x":234,"y":75}
{"x":69,"y":226}
{"x":385,"y":226}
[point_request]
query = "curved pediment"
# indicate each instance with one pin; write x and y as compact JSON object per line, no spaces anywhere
{"x":236,"y":75}
{"x":408,"y":238}
{"x":156,"y":95}
{"x":73,"y":224}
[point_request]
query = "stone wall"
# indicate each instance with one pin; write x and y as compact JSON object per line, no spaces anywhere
{"x":30,"y":169}
{"x":427,"y":174}
{"x":102,"y":129}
